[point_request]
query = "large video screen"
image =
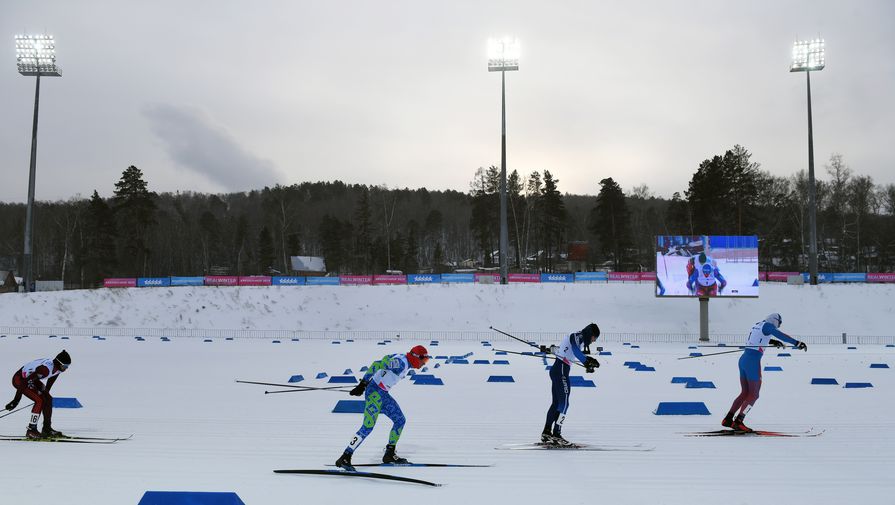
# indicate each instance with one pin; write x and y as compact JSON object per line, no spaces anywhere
{"x":704,"y":266}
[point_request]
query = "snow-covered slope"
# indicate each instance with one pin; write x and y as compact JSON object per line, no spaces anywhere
{"x":860,"y":309}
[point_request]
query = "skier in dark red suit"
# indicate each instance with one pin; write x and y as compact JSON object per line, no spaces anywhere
{"x":27,"y":381}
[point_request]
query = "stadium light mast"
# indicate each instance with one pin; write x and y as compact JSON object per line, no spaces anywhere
{"x":35,"y":56}
{"x":808,"y":56}
{"x":503,"y":56}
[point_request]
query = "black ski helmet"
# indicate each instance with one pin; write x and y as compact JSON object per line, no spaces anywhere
{"x":63,"y":358}
{"x":591,"y":331}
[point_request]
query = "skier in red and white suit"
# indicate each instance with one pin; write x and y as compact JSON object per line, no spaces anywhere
{"x":27,"y":381}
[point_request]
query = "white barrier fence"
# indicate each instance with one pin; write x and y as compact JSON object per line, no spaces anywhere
{"x":412,"y":335}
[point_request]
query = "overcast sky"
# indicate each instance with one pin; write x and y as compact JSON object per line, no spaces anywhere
{"x":219,"y":96}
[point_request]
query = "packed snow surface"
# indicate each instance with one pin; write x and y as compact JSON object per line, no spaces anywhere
{"x":632,"y":308}
{"x":196,"y":429}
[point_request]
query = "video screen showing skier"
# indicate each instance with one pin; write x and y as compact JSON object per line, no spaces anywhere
{"x":704,"y":266}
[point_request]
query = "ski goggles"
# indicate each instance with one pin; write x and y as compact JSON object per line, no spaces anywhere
{"x":424,"y":358}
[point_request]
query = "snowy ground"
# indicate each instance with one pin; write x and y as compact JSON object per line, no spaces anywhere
{"x":195,"y":429}
{"x":624,"y":309}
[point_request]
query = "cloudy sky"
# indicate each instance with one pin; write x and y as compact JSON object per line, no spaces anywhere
{"x":226,"y":95}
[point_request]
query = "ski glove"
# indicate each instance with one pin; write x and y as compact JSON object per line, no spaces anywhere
{"x":11,"y":405}
{"x":360,"y":388}
{"x":776,"y":343}
{"x":802,"y":346}
{"x":548,"y":349}
{"x":590,"y":364}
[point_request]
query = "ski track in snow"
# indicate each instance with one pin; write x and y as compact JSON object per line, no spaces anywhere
{"x":197,"y":430}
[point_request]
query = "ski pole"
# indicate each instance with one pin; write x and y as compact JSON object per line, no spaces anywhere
{"x":511,"y":336}
{"x":539,"y":355}
{"x":14,"y":411}
{"x":309,"y":389}
{"x":296,"y":386}
{"x":746,"y":346}
{"x":712,"y":354}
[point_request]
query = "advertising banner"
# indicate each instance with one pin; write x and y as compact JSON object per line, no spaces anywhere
{"x":424,"y":278}
{"x":483,"y":277}
{"x":287,"y":281}
{"x":624,"y":276}
{"x":255,"y":280}
{"x":558,"y":277}
{"x":355,"y":280}
{"x":522,"y":278}
{"x":762,"y":276}
{"x":389,"y":279}
{"x":881,"y":277}
{"x":187,"y":281}
{"x":591,"y":277}
{"x":647,"y":276}
{"x":779,"y":276}
{"x":821,"y":277}
{"x":850,"y":277}
{"x":119,"y":283}
{"x":322,"y":281}
{"x":221,"y":280}
{"x":458,"y":278}
{"x":153,"y":282}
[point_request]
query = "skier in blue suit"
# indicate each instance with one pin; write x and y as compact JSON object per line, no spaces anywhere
{"x":375,"y":386}
{"x":570,"y":349}
{"x":750,"y":367}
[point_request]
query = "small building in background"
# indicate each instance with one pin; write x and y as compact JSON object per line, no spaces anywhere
{"x":8,"y":282}
{"x":308,"y":266}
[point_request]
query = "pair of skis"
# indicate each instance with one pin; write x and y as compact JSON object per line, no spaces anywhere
{"x":544,"y":446}
{"x":66,"y":439}
{"x":756,"y":433}
{"x":382,"y":476}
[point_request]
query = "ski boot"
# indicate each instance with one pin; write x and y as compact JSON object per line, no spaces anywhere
{"x":558,"y":439}
{"x":391,"y":458}
{"x":739,"y":426}
{"x":32,"y":432}
{"x":727,"y":422}
{"x":547,"y":438}
{"x":344,"y":462}
{"x":49,"y":432}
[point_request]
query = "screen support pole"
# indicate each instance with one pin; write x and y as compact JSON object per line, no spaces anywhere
{"x":703,"y":319}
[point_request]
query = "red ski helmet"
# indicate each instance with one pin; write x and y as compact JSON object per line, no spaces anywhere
{"x":418,"y":356}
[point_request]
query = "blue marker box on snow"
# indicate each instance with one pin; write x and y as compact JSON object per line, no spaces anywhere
{"x":349,"y":407}
{"x":682,"y":409}
{"x":501,"y":378}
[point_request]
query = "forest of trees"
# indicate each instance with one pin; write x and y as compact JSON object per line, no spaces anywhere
{"x":370,"y":229}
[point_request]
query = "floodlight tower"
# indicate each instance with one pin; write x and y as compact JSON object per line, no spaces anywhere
{"x":35,"y":56}
{"x":808,"y":55}
{"x":503,"y":56}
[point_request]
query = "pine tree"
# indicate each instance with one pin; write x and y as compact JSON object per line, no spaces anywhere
{"x":553,"y":220}
{"x":98,"y":256}
{"x":610,"y":221}
{"x":266,"y":253}
{"x":135,"y":210}
{"x":363,"y":217}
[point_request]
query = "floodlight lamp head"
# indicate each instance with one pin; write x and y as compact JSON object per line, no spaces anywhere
{"x":36,"y":55}
{"x":807,"y":55}
{"x":503,"y":54}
